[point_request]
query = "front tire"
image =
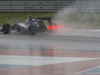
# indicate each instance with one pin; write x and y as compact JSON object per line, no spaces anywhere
{"x":6,"y":28}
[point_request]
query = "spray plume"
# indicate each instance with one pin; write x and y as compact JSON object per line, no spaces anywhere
{"x":82,"y":14}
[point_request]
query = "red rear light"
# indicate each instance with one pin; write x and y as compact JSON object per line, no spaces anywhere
{"x":52,"y":27}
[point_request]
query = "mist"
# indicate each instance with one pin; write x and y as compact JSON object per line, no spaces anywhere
{"x":80,"y":15}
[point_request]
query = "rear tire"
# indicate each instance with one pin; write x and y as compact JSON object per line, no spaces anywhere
{"x":6,"y":28}
{"x":18,"y":29}
{"x":31,"y":30}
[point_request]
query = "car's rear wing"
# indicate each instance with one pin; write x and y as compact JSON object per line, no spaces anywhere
{"x":49,"y":19}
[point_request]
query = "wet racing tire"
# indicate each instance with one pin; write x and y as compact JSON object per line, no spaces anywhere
{"x":31,"y":30}
{"x":6,"y":28}
{"x":18,"y":29}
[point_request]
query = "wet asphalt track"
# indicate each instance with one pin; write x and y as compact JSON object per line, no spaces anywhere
{"x":70,"y":40}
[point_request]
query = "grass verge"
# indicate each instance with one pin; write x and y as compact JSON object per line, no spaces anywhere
{"x":14,"y":17}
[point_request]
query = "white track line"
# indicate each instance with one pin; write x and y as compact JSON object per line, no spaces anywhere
{"x":37,"y":60}
{"x":88,"y":70}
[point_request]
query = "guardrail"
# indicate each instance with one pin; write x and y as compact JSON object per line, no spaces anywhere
{"x":38,"y":5}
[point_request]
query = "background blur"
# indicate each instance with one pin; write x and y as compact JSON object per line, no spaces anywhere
{"x":33,"y":5}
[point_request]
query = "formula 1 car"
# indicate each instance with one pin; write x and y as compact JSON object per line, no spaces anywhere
{"x":35,"y":25}
{"x":32,"y":26}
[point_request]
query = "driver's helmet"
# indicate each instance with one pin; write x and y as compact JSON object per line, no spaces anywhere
{"x":30,"y":18}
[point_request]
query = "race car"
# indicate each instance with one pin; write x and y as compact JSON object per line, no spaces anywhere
{"x":35,"y":25}
{"x":31,"y":26}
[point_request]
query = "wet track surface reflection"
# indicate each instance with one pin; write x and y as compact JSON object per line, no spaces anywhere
{"x":43,"y":54}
